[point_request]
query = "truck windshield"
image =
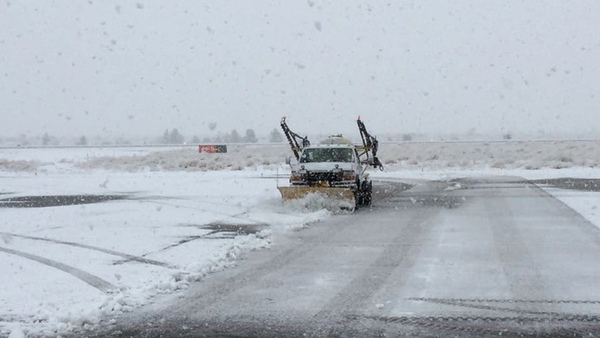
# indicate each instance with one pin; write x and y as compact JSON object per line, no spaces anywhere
{"x":326,"y":155}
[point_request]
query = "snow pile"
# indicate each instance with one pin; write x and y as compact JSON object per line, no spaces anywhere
{"x":222,"y":259}
{"x":319,"y":202}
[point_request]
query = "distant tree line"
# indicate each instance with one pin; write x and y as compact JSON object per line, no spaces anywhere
{"x":275,"y":136}
{"x":172,"y":136}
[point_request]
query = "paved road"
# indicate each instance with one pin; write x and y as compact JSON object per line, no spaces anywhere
{"x":466,"y":258}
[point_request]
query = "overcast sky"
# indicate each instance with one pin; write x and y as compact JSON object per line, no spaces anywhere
{"x":105,"y":67}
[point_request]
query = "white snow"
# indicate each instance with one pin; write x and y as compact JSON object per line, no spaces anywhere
{"x":16,"y":332}
{"x":587,"y":204}
{"x":174,"y":195}
{"x":530,"y":155}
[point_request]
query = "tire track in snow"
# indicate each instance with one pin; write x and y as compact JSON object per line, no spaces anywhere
{"x":214,"y":301}
{"x":214,"y":294}
{"x":401,"y":252}
{"x":238,"y":215}
{"x":90,"y":279}
{"x":210,"y":294}
{"x":521,"y":271}
{"x":127,"y":257}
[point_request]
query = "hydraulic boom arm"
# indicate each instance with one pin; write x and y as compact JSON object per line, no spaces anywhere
{"x":293,"y":139}
{"x":370,"y":144}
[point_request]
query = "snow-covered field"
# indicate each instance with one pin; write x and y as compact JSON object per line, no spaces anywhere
{"x":439,"y":156}
{"x":175,"y":215}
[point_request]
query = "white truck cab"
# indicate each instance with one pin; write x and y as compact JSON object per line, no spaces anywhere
{"x":333,"y":167}
{"x":334,"y":162}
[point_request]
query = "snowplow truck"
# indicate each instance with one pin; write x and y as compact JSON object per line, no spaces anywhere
{"x":334,"y":168}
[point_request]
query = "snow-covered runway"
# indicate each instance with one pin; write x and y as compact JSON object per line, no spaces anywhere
{"x":89,"y":236}
{"x":80,"y":253}
{"x":472,"y":257}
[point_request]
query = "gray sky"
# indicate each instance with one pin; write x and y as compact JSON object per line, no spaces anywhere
{"x":116,"y":67}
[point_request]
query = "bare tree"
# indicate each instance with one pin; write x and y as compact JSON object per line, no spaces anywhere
{"x":45,"y":139}
{"x":250,"y":136}
{"x":82,"y":141}
{"x":233,"y":137}
{"x":275,"y":136}
{"x":175,"y":137}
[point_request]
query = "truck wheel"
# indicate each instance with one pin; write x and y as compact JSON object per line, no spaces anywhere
{"x":358,"y":195}
{"x":367,"y":192}
{"x":359,"y":198}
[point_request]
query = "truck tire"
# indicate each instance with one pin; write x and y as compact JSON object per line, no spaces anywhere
{"x":358,"y":195}
{"x":367,"y":192}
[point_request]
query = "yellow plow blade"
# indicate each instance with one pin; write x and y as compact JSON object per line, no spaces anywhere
{"x":297,"y":192}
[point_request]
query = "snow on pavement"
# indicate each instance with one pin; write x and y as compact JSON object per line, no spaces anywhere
{"x":177,"y":216}
{"x":166,"y":230}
